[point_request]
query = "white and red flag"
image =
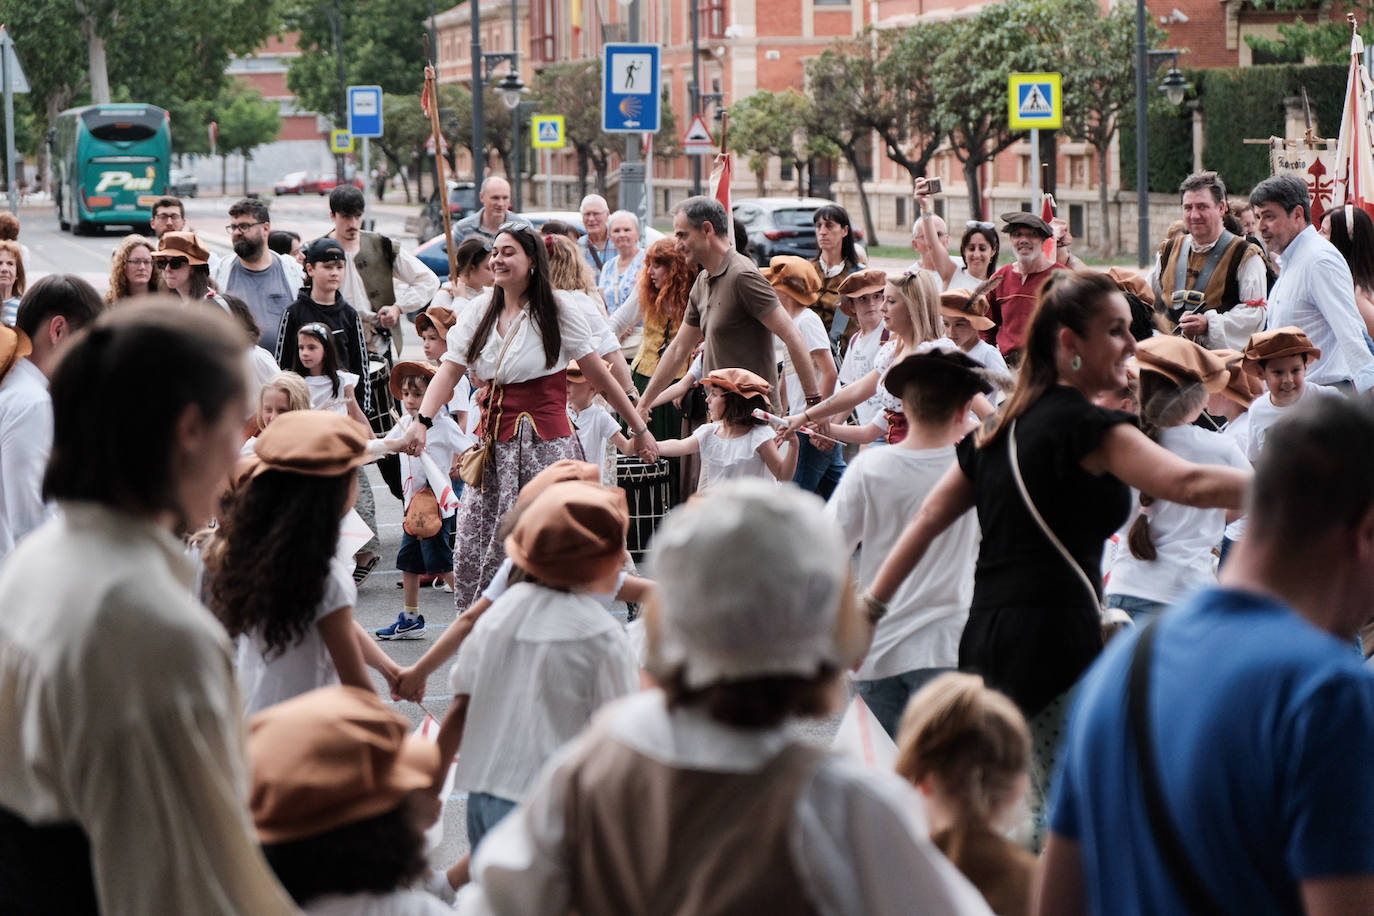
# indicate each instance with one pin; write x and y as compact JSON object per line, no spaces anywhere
{"x":1354,"y":178}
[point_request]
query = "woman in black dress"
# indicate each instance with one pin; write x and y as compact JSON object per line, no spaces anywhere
{"x":1034,"y":624}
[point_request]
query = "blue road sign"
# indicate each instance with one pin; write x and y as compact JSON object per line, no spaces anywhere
{"x":630,"y":89}
{"x":365,"y":111}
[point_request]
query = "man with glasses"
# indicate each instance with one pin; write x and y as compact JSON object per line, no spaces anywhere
{"x":267,"y":281}
{"x":169,"y":215}
{"x":596,"y":245}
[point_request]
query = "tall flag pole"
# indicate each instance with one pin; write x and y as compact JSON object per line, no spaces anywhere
{"x":1354,"y":183}
{"x":720,"y":181}
{"x":429,"y":104}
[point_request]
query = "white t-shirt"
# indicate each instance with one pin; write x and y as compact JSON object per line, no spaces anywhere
{"x":443,"y":441}
{"x":1264,"y":413}
{"x":858,"y":362}
{"x":1238,"y":431}
{"x":726,"y":459}
{"x":501,"y":581}
{"x":987,"y":355}
{"x":594,"y":428}
{"x":525,"y":360}
{"x":322,"y":396}
{"x":813,"y":338}
{"x":1184,"y":537}
{"x":301,"y":667}
{"x":876,"y":498}
{"x":962,"y":279}
{"x":538,"y":663}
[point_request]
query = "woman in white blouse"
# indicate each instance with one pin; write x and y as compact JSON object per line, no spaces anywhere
{"x":516,"y":341}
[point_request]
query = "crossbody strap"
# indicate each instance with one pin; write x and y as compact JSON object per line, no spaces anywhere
{"x":492,"y":415}
{"x":1180,"y":868}
{"x":1039,"y":520}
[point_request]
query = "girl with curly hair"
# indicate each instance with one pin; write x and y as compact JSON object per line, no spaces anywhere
{"x":292,"y":620}
{"x":132,"y":270}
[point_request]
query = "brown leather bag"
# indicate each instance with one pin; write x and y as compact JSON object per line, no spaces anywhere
{"x":422,"y":515}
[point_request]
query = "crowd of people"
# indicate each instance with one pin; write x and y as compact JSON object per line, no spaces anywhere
{"x":1093,"y":549}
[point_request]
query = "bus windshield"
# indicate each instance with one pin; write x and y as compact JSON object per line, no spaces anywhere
{"x":124,"y":124}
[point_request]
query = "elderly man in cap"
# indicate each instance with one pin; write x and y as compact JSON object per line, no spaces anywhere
{"x":861,"y":298}
{"x":1013,"y":299}
{"x":1211,"y":283}
{"x":797,"y":283}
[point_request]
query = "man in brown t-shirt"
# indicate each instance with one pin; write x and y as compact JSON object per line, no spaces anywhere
{"x":731,"y":306}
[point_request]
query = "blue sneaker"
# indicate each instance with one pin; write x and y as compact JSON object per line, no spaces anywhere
{"x":404,"y":628}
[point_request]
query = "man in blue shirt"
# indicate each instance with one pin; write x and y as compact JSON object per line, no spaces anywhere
{"x":1259,"y":712}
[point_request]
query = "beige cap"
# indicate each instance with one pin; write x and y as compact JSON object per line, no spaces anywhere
{"x":795,"y":276}
{"x":1181,"y":360}
{"x":571,"y":534}
{"x":317,"y":443}
{"x":182,"y":245}
{"x":404,"y":370}
{"x":750,"y":581}
{"x":740,"y":381}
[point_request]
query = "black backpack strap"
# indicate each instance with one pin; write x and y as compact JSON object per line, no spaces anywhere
{"x":1176,"y":862}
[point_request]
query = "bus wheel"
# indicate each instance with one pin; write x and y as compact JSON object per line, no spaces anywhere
{"x":81,"y":227}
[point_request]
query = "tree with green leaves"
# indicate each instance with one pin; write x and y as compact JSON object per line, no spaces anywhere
{"x":405,"y":128}
{"x":1312,"y":36}
{"x":903,"y":113}
{"x":573,"y":90}
{"x":841,"y":83}
{"x":768,"y":124}
{"x":970,"y":75}
{"x":246,"y":121}
{"x":1099,"y":89}
{"x":380,"y":46}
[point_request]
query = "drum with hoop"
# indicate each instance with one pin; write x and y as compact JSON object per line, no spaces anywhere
{"x":383,"y":414}
{"x":647,"y":497}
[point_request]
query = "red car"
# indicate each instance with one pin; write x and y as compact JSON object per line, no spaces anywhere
{"x":297,"y":183}
{"x":326,"y":183}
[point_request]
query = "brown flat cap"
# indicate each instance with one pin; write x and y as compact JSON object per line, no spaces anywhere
{"x":404,"y":370}
{"x":440,"y":317}
{"x":1130,"y":281}
{"x":795,"y":276}
{"x":571,"y":534}
{"x":863,"y":282}
{"x":1289,"y":341}
{"x":1182,"y":361}
{"x":561,"y":471}
{"x":958,"y":303}
{"x":1028,"y":220}
{"x":1241,"y":386}
{"x":332,"y":757}
{"x":740,"y":381}
{"x":316,"y":443}
{"x":182,"y":245}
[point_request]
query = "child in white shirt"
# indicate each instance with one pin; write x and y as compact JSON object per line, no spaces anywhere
{"x":736,"y":444}
{"x":432,"y":555}
{"x":882,"y":491}
{"x":965,"y":319}
{"x":1280,"y":357}
{"x":594,"y":425}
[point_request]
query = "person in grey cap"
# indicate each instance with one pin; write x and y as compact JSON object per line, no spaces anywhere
{"x":747,"y":817}
{"x":1013,"y":299}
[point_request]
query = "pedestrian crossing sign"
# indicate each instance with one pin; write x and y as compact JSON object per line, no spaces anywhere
{"x":546,"y":132}
{"x":1035,"y":100}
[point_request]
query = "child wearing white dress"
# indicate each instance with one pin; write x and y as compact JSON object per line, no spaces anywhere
{"x":276,"y":582}
{"x":736,"y":443}
{"x":317,"y":360}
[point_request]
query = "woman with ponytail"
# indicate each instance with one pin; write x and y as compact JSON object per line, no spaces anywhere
{"x":1050,"y":476}
{"x":1168,"y":551}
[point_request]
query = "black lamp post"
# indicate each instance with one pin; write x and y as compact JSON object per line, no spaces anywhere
{"x":1174,"y":88}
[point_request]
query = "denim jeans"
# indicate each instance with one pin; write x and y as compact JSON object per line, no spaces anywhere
{"x":1142,"y":610}
{"x":817,"y":471}
{"x":485,"y":812}
{"x":887,"y":696}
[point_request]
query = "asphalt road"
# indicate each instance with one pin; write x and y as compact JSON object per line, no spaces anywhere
{"x":379,"y":598}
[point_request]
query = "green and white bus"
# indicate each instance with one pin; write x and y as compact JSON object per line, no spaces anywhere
{"x":110,"y":163}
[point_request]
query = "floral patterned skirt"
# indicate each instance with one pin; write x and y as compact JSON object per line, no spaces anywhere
{"x":477,"y":552}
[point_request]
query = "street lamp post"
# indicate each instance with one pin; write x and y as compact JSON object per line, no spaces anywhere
{"x":510,"y":86}
{"x":1174,"y":87}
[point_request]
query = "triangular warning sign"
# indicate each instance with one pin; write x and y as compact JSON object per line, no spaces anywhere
{"x":1034,"y":102}
{"x":697,"y":133}
{"x":548,"y":132}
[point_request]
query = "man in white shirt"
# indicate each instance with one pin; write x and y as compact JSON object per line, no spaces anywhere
{"x":1221,"y":272}
{"x":1315,"y":291}
{"x":381,"y":281}
{"x":55,"y":307}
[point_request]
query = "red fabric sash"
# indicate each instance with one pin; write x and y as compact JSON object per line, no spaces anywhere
{"x":896,"y":426}
{"x":544,"y":400}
